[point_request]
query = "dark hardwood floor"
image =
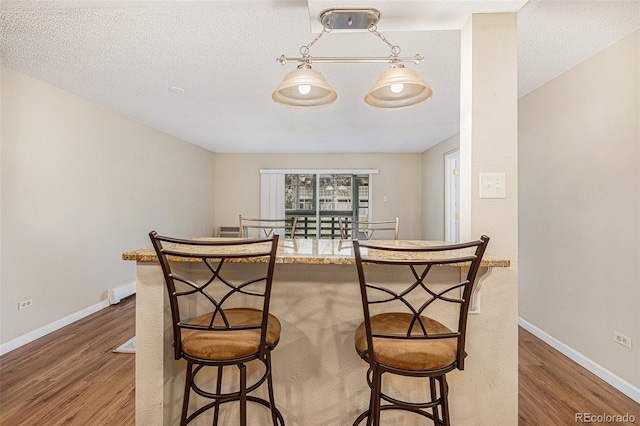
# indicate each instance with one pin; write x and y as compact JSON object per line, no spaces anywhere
{"x":71,"y":377}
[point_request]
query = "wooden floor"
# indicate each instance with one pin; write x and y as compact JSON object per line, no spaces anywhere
{"x":72,"y":377}
{"x":552,"y":388}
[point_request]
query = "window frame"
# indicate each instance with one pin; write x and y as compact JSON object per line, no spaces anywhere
{"x":317,"y":173}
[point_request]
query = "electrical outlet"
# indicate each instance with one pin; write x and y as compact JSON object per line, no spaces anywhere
{"x":622,"y":339}
{"x":25,"y":304}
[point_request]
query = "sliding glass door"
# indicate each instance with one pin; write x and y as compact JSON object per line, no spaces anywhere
{"x":319,"y":200}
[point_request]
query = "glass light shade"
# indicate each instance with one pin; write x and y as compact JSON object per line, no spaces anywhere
{"x":289,"y":94}
{"x":414,"y":89}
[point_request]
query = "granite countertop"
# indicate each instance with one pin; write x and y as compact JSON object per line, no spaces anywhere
{"x":319,"y":252}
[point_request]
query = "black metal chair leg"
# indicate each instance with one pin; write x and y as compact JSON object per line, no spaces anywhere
{"x":371,"y":406}
{"x":377,"y":384}
{"x":216,"y":409}
{"x":187,"y":391}
{"x":272,"y":400}
{"x":434,"y":410}
{"x":243,"y":394}
{"x":367,"y":414}
{"x":444,"y":396}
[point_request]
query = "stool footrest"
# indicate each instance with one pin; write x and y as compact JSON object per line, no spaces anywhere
{"x":365,"y":414}
{"x":237,"y":398}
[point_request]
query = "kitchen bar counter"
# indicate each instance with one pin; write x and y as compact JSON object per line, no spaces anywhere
{"x":319,"y":252}
{"x":319,"y":379}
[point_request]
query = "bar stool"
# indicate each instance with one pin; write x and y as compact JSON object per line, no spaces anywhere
{"x":398,"y":337}
{"x":226,"y":331}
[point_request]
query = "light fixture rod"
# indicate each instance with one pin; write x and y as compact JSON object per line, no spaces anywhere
{"x":351,"y":60}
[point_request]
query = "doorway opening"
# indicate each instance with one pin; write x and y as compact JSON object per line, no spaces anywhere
{"x":452,"y":196}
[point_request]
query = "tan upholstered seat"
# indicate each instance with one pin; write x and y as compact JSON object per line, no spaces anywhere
{"x":408,"y":354}
{"x":225,"y":345}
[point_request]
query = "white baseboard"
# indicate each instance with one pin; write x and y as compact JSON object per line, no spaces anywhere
{"x":120,"y":292}
{"x":617,"y":382}
{"x":49,"y":328}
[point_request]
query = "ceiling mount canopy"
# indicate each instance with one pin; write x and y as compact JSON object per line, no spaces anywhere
{"x":398,"y":87}
{"x":349,"y":19}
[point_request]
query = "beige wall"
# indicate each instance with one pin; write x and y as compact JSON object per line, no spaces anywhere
{"x":399,"y":179}
{"x":488,"y":143}
{"x":433,"y":188}
{"x":81,"y":185}
{"x":579,"y":165}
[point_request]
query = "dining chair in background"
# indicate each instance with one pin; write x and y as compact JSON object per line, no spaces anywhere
{"x":267,"y":227}
{"x":351,"y":229}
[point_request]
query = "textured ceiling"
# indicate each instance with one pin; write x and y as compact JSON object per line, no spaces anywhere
{"x":125,"y":55}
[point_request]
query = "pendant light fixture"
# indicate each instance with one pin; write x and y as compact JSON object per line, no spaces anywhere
{"x":398,"y":87}
{"x":304,"y":88}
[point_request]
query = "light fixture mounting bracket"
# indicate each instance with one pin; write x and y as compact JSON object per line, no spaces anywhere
{"x":349,"y":19}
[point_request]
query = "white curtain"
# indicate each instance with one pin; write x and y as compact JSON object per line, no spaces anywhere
{"x":272,"y":195}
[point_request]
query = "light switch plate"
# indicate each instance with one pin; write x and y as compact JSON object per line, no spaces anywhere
{"x":493,"y":185}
